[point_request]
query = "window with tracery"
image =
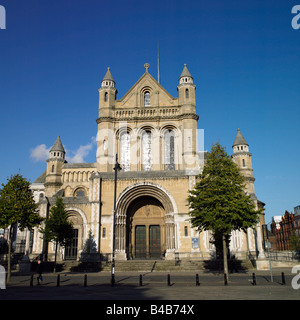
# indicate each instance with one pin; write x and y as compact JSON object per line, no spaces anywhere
{"x":147,"y":151}
{"x":169,"y":150}
{"x":125,"y":151}
{"x":147,"y":99}
{"x":80,"y":193}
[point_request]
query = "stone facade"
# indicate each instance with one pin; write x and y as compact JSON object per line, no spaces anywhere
{"x":154,"y":136}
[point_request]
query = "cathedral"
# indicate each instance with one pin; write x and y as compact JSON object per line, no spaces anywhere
{"x":147,"y":160}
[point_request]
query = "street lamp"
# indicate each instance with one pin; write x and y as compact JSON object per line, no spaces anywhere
{"x":268,"y":246}
{"x":116,"y":168}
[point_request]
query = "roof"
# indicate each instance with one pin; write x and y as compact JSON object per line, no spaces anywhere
{"x":239,"y":139}
{"x":185,"y":72}
{"x":108,"y":76}
{"x":58,"y":146}
{"x":41,"y":178}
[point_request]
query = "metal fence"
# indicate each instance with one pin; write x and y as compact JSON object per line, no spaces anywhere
{"x":283,"y":255}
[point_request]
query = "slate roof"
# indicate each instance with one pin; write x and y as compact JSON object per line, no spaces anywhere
{"x":58,"y":146}
{"x":108,"y":76}
{"x":239,"y":139}
{"x":41,"y":178}
{"x":185,"y":72}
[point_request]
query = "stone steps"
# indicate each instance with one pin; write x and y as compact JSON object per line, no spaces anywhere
{"x":153,"y":265}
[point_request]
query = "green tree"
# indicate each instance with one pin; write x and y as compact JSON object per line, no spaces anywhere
{"x":218,"y":201}
{"x":57,"y":228}
{"x":17,"y":209}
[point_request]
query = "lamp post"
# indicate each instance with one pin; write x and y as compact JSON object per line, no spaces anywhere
{"x":268,"y":246}
{"x":116,"y":168}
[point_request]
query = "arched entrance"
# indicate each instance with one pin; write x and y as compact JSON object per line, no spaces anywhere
{"x":71,"y":251}
{"x":145,"y":229}
{"x":145,"y":225}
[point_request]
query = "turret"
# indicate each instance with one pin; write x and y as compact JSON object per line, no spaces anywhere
{"x":242,"y":157}
{"x":107,"y":94}
{"x":54,"y":168}
{"x":187,"y":102}
{"x":107,"y":99}
{"x":186,"y":90}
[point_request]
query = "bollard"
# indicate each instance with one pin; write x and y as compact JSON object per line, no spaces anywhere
{"x":253,"y":279}
{"x":169,"y":280}
{"x":225,"y":279}
{"x":141,"y":280}
{"x":112,"y":282}
{"x":31,"y":281}
{"x":283,"y":278}
{"x":197,"y":280}
{"x":85,"y":280}
{"x":58,"y":280}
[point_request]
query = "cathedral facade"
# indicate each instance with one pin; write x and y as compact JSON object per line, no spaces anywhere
{"x":153,"y":138}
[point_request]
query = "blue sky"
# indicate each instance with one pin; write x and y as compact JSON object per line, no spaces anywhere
{"x":244,"y":57}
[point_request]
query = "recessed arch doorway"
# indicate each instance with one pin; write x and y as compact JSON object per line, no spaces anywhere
{"x":145,"y":227}
{"x":146,"y":238}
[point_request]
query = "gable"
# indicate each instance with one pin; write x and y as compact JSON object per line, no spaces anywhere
{"x":159,"y":97}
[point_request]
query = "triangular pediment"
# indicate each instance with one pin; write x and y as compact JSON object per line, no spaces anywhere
{"x":158,"y":95}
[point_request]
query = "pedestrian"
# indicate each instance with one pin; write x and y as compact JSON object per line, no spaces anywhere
{"x":2,"y":277}
{"x":233,"y":264}
{"x":39,"y":272}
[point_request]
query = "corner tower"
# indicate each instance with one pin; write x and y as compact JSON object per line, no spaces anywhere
{"x":107,"y":102}
{"x":54,"y":168}
{"x":186,"y":91}
{"x":187,"y":102}
{"x":107,"y":92}
{"x":242,"y":157}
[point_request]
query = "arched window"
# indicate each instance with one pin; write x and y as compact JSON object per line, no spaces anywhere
{"x":169,"y":150}
{"x":187,"y":93}
{"x":80,"y":192}
{"x":147,"y":99}
{"x":105,"y":96}
{"x":185,"y":231}
{"x":147,"y":151}
{"x":52,"y":170}
{"x":125,"y":151}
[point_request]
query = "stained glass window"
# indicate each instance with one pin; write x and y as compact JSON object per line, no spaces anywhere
{"x":169,"y":150}
{"x":147,"y":151}
{"x":125,"y":151}
{"x":147,"y":99}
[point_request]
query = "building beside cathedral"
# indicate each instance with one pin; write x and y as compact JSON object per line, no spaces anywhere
{"x":155,"y":138}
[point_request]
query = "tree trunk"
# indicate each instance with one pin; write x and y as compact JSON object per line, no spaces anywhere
{"x":9,"y":256}
{"x":225,"y":256}
{"x":56,"y":244}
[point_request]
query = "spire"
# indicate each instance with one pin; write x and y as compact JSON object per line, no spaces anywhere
{"x":239,"y":139}
{"x":186,"y":77}
{"x":108,"y":80}
{"x":58,"y":146}
{"x":108,"y":76}
{"x":185,"y":73}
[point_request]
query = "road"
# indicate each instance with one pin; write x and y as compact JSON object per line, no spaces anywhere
{"x":154,"y":286}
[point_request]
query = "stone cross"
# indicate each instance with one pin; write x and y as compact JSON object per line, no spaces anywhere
{"x":146,"y":66}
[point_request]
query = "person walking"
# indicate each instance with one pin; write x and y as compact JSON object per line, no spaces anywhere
{"x":233,"y":264}
{"x":39,"y":272}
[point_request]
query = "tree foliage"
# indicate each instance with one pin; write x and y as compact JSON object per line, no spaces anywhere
{"x":219,"y":202}
{"x":17,"y":208}
{"x":17,"y":205}
{"x":57,"y":228}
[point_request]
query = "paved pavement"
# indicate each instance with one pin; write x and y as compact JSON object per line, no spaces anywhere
{"x":96,"y":286}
